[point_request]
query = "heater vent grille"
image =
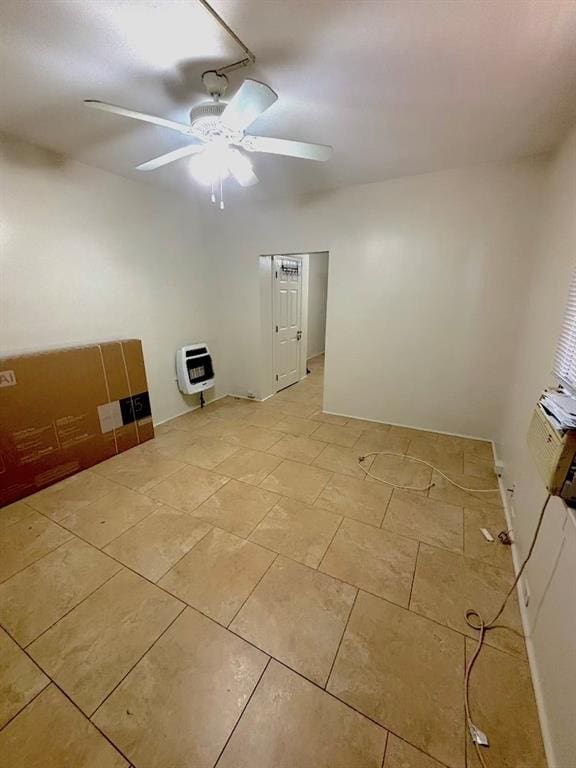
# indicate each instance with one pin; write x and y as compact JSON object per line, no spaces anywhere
{"x":552,"y":452}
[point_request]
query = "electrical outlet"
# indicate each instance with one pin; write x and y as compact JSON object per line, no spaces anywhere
{"x":525,"y":592}
{"x":511,"y":493}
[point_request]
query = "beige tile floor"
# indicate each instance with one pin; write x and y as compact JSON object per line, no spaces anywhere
{"x":237,"y":593}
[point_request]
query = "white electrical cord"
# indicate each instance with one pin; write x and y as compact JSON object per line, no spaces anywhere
{"x":472,"y":616}
{"x":420,"y":461}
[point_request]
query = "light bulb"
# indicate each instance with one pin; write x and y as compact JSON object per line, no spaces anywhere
{"x":211,"y":165}
{"x":241,"y":168}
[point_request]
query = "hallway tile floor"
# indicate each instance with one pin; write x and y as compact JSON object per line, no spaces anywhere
{"x":238,"y":593}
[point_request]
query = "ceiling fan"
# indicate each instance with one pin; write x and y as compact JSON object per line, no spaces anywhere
{"x":217,"y":129}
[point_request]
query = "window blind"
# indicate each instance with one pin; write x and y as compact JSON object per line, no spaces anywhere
{"x":565,"y":362}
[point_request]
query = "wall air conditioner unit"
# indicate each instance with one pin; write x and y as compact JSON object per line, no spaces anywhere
{"x":554,"y":452}
{"x":194,"y":369}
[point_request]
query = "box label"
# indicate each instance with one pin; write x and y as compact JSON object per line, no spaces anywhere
{"x":135,"y":408}
{"x":7,"y":379}
{"x":110,"y":416}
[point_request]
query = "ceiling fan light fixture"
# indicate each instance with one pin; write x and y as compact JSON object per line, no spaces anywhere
{"x":241,"y":168}
{"x":210,"y":167}
{"x":216,"y":128}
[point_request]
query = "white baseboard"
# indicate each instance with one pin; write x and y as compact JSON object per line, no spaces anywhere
{"x":251,"y":399}
{"x":263,"y":399}
{"x":515,"y":557}
{"x":420,"y":429}
{"x":189,"y":410}
{"x":532,"y":663}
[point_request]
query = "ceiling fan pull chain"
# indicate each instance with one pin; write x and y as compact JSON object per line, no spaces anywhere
{"x":221,"y":195}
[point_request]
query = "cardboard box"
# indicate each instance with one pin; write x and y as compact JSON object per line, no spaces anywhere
{"x":64,"y":410}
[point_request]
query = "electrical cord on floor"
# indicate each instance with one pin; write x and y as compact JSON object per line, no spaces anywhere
{"x":475,"y":621}
{"x":420,"y":461}
{"x":472,"y":616}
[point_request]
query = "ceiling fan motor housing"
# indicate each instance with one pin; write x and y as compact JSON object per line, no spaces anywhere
{"x":205,"y":119}
{"x":207,"y":126}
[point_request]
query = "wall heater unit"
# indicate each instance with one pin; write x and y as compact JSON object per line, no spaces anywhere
{"x":194,"y":369}
{"x":555,"y":455}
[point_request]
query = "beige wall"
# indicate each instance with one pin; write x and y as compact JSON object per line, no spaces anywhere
{"x":551,"y":575}
{"x":426,"y":281}
{"x":446,"y":298}
{"x":443,"y":312}
{"x":86,"y":256}
{"x":317,"y":297}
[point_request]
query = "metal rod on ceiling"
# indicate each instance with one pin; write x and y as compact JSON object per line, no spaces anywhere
{"x":250,"y":57}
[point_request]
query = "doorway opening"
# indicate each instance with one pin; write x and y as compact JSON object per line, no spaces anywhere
{"x":288,"y":320}
{"x":317,"y":303}
{"x":294,"y":290}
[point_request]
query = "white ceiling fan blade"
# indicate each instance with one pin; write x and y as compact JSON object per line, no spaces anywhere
{"x":162,"y":121}
{"x":170,"y":157}
{"x":245,"y":180}
{"x":248,"y":103}
{"x":288,"y":147}
{"x":241,"y":168}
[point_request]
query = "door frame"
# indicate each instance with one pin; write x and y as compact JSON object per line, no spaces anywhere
{"x":303,"y":281}
{"x":267,"y":377}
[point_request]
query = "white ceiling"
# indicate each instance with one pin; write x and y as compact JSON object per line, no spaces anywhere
{"x":396,"y":86}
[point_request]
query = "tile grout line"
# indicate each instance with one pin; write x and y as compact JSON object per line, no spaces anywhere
{"x":244,"y":708}
{"x":342,"y":581}
{"x":318,"y":567}
{"x":187,"y":605}
{"x":191,"y":512}
{"x":77,"y":708}
{"x":464,"y":531}
{"x":385,"y":748}
{"x":340,"y":523}
{"x":28,"y":644}
{"x":105,"y":699}
{"x":131,"y":488}
{"x":27,"y":703}
{"x":321,"y":491}
{"x":52,"y":680}
{"x":222,"y":626}
{"x":102,"y":546}
{"x":109,"y":740}
{"x":386,"y":510}
{"x":102,"y":549}
{"x":41,"y":557}
{"x":414,"y":576}
{"x":418,"y":749}
{"x":350,"y":706}
{"x":340,"y":641}
{"x":379,"y":597}
{"x":122,"y":566}
{"x":276,"y":556}
{"x":298,"y":461}
{"x":211,"y":528}
{"x":256,"y":450}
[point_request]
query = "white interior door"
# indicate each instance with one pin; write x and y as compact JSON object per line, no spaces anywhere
{"x":287,"y":314}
